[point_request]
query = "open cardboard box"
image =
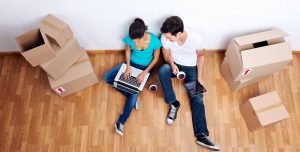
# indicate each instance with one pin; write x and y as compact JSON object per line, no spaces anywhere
{"x":33,"y":47}
{"x":258,"y":54}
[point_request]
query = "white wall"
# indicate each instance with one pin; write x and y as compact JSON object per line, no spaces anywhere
{"x":100,"y":25}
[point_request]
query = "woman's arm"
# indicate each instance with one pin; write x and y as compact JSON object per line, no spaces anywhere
{"x":154,"y":61}
{"x":127,"y":60}
{"x":142,"y":75}
{"x":127,"y":55}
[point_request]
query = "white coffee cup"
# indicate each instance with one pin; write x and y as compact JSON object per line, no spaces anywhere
{"x":180,"y":75}
{"x":153,"y":87}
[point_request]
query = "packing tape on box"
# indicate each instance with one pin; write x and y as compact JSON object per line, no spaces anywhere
{"x":267,"y":108}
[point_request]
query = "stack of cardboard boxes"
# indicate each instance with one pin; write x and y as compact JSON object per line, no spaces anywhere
{"x":251,"y":58}
{"x":53,"y":47}
{"x":254,"y":57}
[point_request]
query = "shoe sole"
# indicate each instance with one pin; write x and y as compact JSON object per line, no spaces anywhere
{"x":209,"y":147}
{"x":117,"y":131}
{"x":137,"y":106}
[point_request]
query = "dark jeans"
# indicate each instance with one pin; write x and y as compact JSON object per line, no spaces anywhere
{"x":131,"y":98}
{"x":197,"y":106}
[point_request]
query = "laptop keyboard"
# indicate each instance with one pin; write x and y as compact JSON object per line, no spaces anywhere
{"x":132,"y":80}
{"x":126,"y":89}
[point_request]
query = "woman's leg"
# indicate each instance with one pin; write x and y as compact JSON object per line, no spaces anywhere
{"x":131,"y":100}
{"x":110,"y":76}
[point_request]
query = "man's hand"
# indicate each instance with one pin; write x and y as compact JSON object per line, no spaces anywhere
{"x":127,"y":72}
{"x":200,"y":80}
{"x":175,"y":69}
{"x":141,"y":77}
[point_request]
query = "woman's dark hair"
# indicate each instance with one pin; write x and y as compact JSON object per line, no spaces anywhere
{"x":172,"y":25}
{"x":137,"y":29}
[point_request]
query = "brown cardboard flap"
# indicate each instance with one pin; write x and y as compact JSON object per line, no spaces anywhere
{"x":257,"y":111}
{"x":267,"y":55}
{"x":265,"y":100}
{"x":272,"y":115}
{"x":54,"y":23}
{"x":30,"y":40}
{"x":75,"y":72}
{"x":259,"y":37}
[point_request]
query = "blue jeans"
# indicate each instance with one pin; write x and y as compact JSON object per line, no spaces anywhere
{"x":197,"y":106}
{"x":131,"y":98}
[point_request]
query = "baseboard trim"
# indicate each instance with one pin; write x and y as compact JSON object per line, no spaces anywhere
{"x":92,"y":52}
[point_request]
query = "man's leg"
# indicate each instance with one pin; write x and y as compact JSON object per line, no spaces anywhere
{"x":198,"y":113}
{"x":165,"y":77}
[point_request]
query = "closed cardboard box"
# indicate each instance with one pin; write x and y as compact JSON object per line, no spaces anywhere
{"x":66,"y":57}
{"x":263,"y":110}
{"x":237,"y":85}
{"x":258,"y":54}
{"x":56,"y":30}
{"x":81,"y":75}
{"x":34,"y":49}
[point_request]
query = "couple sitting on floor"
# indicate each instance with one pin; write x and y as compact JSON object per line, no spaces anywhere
{"x":183,"y":50}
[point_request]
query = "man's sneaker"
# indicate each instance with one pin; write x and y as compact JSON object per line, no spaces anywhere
{"x":119,"y":128}
{"x":205,"y":142}
{"x":137,"y":104}
{"x":172,"y":114}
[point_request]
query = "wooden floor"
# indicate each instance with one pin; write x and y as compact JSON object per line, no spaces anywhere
{"x":33,"y":118}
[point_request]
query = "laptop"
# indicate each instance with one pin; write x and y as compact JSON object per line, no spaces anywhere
{"x":130,"y":85}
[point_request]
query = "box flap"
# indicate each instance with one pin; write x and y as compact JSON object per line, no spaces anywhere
{"x":272,"y":115}
{"x":265,"y":101}
{"x":267,"y":55}
{"x":259,"y":37}
{"x":53,"y":23}
{"x":75,"y":72}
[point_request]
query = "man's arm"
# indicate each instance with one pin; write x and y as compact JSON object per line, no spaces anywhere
{"x":200,"y":64}
{"x":168,"y":58}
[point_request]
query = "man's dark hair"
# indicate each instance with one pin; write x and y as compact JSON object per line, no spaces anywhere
{"x":137,"y":29}
{"x":172,"y":25}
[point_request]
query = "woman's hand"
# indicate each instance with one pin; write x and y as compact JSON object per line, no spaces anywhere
{"x":127,"y":73}
{"x":141,"y":76}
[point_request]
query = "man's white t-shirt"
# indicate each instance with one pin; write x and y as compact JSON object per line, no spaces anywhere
{"x":186,"y":54}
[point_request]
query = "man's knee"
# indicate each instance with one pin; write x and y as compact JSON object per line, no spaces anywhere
{"x":164,"y":69}
{"x":198,"y":99}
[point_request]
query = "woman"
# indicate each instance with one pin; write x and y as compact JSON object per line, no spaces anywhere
{"x":142,"y":52}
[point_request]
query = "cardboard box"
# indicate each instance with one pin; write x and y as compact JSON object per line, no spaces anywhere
{"x":33,"y":47}
{"x":237,"y":85}
{"x":263,"y":110}
{"x":66,"y":57}
{"x":56,"y":30}
{"x":258,"y":54}
{"x":79,"y":76}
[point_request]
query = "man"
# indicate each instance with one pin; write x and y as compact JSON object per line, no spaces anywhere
{"x":184,"y":51}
